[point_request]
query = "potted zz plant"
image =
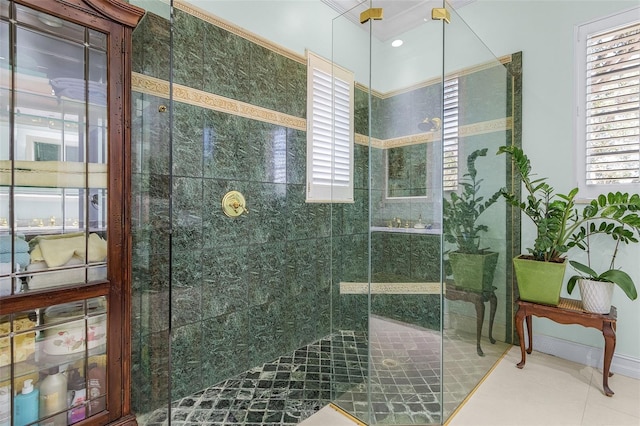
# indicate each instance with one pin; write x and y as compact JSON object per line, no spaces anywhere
{"x":472,"y":267}
{"x":559,"y":227}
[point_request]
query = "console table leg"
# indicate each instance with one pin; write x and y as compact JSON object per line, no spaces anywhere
{"x":520,"y":330}
{"x":493,"y":302}
{"x":609,"y":347}
{"x":479,"y":320}
{"x":529,"y":333}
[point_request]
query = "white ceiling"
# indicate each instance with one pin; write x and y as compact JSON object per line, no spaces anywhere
{"x":399,"y":16}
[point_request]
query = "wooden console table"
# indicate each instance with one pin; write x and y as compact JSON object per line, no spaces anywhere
{"x":478,"y":299}
{"x":569,"y":311}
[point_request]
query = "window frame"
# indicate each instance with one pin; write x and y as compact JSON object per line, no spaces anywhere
{"x":317,"y":192}
{"x":582,"y":33}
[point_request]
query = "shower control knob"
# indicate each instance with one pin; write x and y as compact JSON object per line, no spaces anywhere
{"x":234,"y":204}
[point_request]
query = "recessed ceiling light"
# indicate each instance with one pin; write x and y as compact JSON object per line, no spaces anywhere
{"x":397,"y":43}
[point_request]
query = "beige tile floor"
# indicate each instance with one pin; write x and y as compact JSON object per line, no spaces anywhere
{"x":557,"y":393}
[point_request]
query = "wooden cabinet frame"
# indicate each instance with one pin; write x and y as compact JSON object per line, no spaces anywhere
{"x":117,"y":19}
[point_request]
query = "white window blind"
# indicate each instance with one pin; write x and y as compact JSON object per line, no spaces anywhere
{"x":450,"y":135}
{"x":609,"y":104}
{"x":330,"y":132}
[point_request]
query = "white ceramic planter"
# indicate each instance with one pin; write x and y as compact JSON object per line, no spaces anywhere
{"x":596,"y":296}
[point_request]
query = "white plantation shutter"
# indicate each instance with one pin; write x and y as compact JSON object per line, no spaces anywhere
{"x":329,"y":132}
{"x":609,"y":104}
{"x":450,"y":135}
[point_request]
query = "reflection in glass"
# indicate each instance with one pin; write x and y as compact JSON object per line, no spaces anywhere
{"x":407,"y":171}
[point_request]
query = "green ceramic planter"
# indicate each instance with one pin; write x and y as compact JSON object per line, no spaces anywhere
{"x":474,"y":271}
{"x":539,"y":282}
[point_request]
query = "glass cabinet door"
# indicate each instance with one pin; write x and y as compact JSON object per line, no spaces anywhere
{"x":54,"y":169}
{"x":53,"y":217}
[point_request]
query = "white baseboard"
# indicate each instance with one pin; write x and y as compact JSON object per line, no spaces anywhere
{"x":587,"y":355}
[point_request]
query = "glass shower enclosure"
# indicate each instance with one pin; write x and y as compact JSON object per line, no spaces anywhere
{"x":283,"y":307}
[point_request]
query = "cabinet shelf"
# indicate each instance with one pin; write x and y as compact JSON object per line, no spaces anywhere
{"x":53,"y":174}
{"x":44,"y":362}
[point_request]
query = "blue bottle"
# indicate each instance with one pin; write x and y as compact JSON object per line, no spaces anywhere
{"x":25,"y":405}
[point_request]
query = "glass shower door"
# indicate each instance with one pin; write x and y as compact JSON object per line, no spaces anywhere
{"x":389,"y":273}
{"x":432,"y":106}
{"x":405,"y":340}
{"x":481,"y":113}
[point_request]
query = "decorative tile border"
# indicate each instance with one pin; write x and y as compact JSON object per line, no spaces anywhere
{"x":364,"y":140}
{"x":390,"y":288}
{"x":154,"y":86}
{"x":411,"y":140}
{"x":157,"y":87}
{"x":150,"y":85}
{"x":500,"y":124}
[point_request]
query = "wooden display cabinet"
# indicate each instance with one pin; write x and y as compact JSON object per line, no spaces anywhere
{"x":65,"y":249}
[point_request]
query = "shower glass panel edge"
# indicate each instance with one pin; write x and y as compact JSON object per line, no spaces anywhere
{"x":151,"y":132}
{"x":350,"y":235}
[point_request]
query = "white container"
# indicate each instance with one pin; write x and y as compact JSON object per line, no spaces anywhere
{"x":53,"y":398}
{"x":596,"y":296}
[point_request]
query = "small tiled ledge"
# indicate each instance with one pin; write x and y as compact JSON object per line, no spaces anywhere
{"x":402,"y":230}
{"x":390,"y":288}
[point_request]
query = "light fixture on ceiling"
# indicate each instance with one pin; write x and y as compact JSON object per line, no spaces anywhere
{"x":397,"y":43}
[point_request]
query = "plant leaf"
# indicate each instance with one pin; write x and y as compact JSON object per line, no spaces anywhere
{"x":602,"y":200}
{"x":580,"y":267}
{"x":572,"y":283}
{"x":622,"y":280}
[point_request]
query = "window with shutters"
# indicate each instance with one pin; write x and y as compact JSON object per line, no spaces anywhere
{"x":608,"y":107}
{"x":330,"y":133}
{"x":450,"y":135}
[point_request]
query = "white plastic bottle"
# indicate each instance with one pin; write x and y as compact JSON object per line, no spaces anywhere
{"x":25,"y":405}
{"x":53,"y":398}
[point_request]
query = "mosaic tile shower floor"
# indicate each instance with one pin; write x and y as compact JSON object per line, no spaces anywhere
{"x":405,"y":384}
